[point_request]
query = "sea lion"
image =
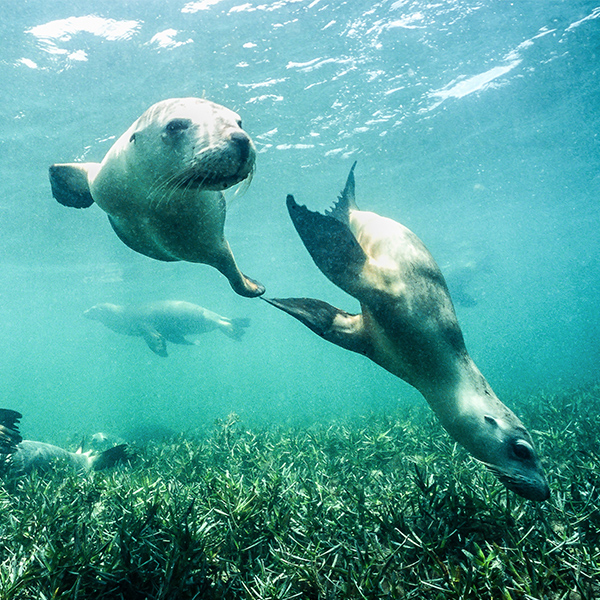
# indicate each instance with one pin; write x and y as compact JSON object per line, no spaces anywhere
{"x":169,"y":320}
{"x":161,"y":184}
{"x":19,"y":456}
{"x":409,"y":327}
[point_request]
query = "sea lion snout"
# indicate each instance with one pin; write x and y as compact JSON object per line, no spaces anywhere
{"x":242,"y":144}
{"x":223,"y":163}
{"x":236,"y":154}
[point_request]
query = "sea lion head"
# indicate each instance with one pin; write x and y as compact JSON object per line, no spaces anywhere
{"x":503,"y":444}
{"x":192,"y":143}
{"x":106,"y":313}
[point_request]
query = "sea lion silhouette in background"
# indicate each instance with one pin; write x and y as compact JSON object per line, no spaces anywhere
{"x":19,"y":456}
{"x":409,"y":327}
{"x":166,"y":321}
{"x":161,"y":184}
{"x":466,"y":274}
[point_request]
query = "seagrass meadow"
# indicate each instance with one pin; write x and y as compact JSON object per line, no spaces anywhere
{"x":380,"y":507}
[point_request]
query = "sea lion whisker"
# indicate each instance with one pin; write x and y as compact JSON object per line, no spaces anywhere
{"x":158,"y":187}
{"x":180,"y":188}
{"x":168,"y":187}
{"x":171,"y":190}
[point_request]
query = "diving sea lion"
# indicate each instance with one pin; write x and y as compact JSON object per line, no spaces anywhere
{"x":161,"y":184}
{"x":409,"y":327}
{"x":19,"y":456}
{"x":169,"y":320}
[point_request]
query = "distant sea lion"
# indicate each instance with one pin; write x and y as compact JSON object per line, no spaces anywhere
{"x":409,"y":327}
{"x":465,"y":274}
{"x":19,"y":456}
{"x":166,"y":321}
{"x":161,"y":184}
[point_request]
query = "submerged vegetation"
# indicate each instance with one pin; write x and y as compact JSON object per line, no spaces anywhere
{"x":384,"y":507}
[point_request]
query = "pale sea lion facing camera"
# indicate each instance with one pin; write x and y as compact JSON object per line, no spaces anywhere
{"x":161,"y":184}
{"x":409,"y":327}
{"x":20,"y":457}
{"x":165,"y":321}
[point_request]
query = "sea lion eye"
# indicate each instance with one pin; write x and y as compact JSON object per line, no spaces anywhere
{"x":522,"y":450}
{"x":239,"y":123}
{"x":177,"y":125}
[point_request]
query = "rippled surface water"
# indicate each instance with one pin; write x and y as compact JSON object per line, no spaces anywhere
{"x":473,"y":123}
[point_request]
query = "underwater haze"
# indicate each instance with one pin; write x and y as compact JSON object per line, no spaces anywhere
{"x":474,"y":123}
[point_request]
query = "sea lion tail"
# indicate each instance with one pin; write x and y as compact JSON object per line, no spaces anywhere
{"x":236,"y":328}
{"x":109,"y":458}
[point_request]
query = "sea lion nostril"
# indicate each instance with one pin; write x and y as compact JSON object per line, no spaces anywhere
{"x":240,"y":137}
{"x":242,"y":143}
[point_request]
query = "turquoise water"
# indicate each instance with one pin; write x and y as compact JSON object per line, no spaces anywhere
{"x":474,"y":123}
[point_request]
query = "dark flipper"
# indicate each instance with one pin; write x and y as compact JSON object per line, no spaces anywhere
{"x":224,"y":262}
{"x":346,"y":202}
{"x":155,"y":341}
{"x":235,"y":328}
{"x":110,"y":457}
{"x":10,"y":436}
{"x":239,"y":326}
{"x":10,"y":418}
{"x":250,"y":289}
{"x":70,"y":185}
{"x":329,"y":322}
{"x":178,"y":338}
{"x":331,"y":244}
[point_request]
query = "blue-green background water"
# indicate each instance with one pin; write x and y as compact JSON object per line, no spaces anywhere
{"x":474,"y":123}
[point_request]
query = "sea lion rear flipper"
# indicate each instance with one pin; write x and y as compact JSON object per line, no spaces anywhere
{"x":330,"y":243}
{"x":70,"y":184}
{"x":156,"y":342}
{"x":236,"y":328}
{"x":346,"y":201}
{"x":10,"y":418}
{"x":9,"y":430}
{"x":331,"y":323}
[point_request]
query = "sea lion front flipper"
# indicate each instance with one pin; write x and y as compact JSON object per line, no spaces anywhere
{"x":331,"y":323}
{"x":224,"y":262}
{"x":70,"y":184}
{"x":178,"y":338}
{"x":156,"y":342}
{"x":330,"y":243}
